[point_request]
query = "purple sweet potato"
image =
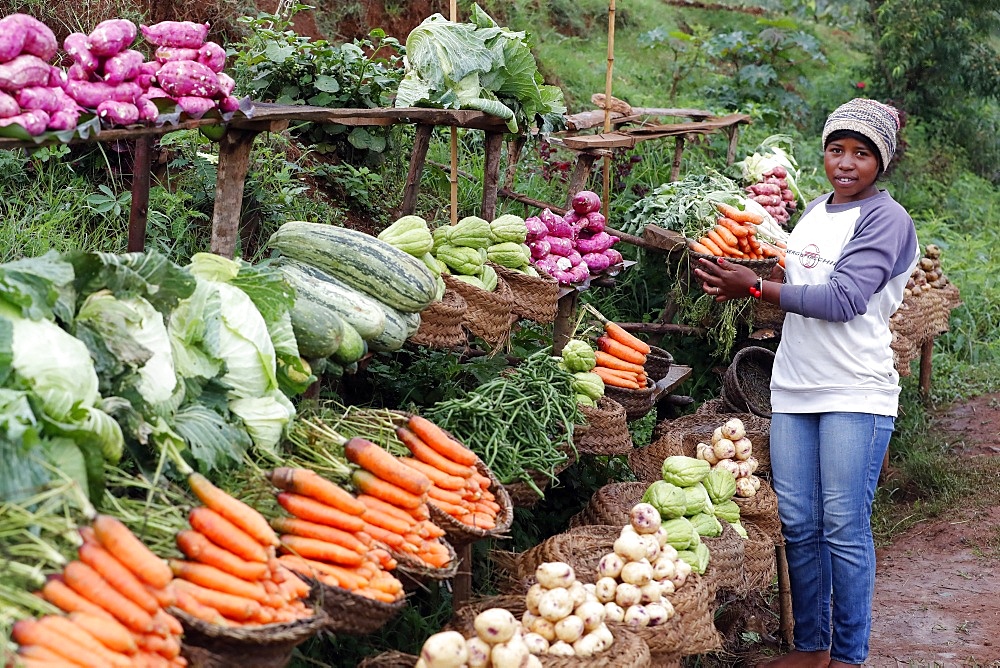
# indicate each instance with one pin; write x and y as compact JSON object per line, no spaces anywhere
{"x":147,"y":73}
{"x":111,"y":37}
{"x":12,"y":37}
{"x":34,"y":121}
{"x":118,"y":113}
{"x":226,"y":84}
{"x":64,"y":119}
{"x":26,"y":70}
{"x":39,"y":39}
{"x":184,"y":78}
{"x":41,"y":97}
{"x":77,"y":72}
{"x":195,"y":107}
{"x":183,"y":34}
{"x":57,"y":77}
{"x":123,"y":66}
{"x":8,"y":106}
{"x":153,"y":92}
{"x":75,"y":45}
{"x":165,"y":54}
{"x":147,"y":109}
{"x":229,"y":104}
{"x":212,"y":55}
{"x":90,"y":94}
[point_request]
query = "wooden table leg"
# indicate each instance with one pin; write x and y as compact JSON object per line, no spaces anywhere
{"x":139,"y":212}
{"x":462,"y":582}
{"x":675,"y":170}
{"x":514,"y":149}
{"x":786,"y":620}
{"x":734,"y":134}
{"x":234,"y":160}
{"x":562,"y":328}
{"x":491,"y":174}
{"x":926,"y":352}
{"x":420,"y":144}
{"x":581,"y":172}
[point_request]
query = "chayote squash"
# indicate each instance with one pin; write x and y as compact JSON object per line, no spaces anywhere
{"x":440,"y":236}
{"x":728,"y":511}
{"x":507,"y":254}
{"x":720,"y":485}
{"x":696,"y":500}
{"x":740,"y":529}
{"x":706,"y":525}
{"x":461,"y":260}
{"x":681,"y":534}
{"x":471,"y":232}
{"x":471,"y":280}
{"x":579,"y":356}
{"x":584,"y":400}
{"x":588,"y":383}
{"x":509,"y":227}
{"x":668,"y":499}
{"x":489,"y":277}
{"x":409,"y":234}
{"x":684,"y":471}
{"x":697,"y":558}
{"x":434,"y":264}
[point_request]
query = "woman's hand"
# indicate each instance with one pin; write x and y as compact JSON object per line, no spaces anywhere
{"x":724,"y":280}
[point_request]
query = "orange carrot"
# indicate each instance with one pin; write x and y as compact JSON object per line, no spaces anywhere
{"x":609,"y":361}
{"x":377,"y":504}
{"x":198,"y":610}
{"x":311,"y":548}
{"x":311,"y":484}
{"x":489,"y":508}
{"x":618,"y":333}
{"x":211,"y":577}
{"x":738,"y":229}
{"x":81,"y":638}
{"x":243,"y":516}
{"x":453,"y":509}
{"x":322,"y":571}
{"x":61,"y":595}
{"x":117,"y":539}
{"x":429,"y":455}
{"x":165,"y":620}
{"x":232,"y":607}
{"x":613,"y":380}
{"x":721,"y":243}
{"x":620,"y":350}
{"x":438,"y":438}
{"x":165,"y":597}
{"x":109,"y":632}
{"x":739,"y":216}
{"x":438,"y":478}
{"x":226,"y":535}
{"x":121,"y":578}
{"x":307,"y":529}
{"x":377,"y":461}
{"x":88,"y":583}
{"x":627,"y":375}
{"x":699,"y":248}
{"x":479,"y":521}
{"x":378,"y":594}
{"x":727,"y":235}
{"x":38,"y":655}
{"x":195,"y":545}
{"x":390,"y":539}
{"x":315,"y":511}
{"x":32,"y":632}
{"x":372,"y":485}
{"x":713,"y":249}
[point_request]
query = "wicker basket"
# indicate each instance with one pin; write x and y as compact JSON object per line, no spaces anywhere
{"x":658,"y":363}
{"x":694,"y":605}
{"x":459,"y":533}
{"x":488,"y":314}
{"x":534,"y":298}
{"x":628,"y":650}
{"x":636,"y":402}
{"x":760,"y":564}
{"x":522,"y":495}
{"x":762,"y":510}
{"x":413,"y":572}
{"x":580,"y":547}
{"x":747,"y":383}
{"x":725,"y":566}
{"x":390,"y":659}
{"x":208,"y":645}
{"x":349,"y":613}
{"x":606,"y":430}
{"x":760,"y":267}
{"x":441,"y":322}
{"x":610,"y":505}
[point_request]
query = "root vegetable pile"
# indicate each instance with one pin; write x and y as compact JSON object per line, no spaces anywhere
{"x":574,"y":246}
{"x":928,"y":274}
{"x":731,"y":451}
{"x":620,"y":358}
{"x":735,"y":235}
{"x":772,"y":192}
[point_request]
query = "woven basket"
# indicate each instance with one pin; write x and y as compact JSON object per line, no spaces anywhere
{"x":627,"y":651}
{"x":658,"y":362}
{"x":647,"y":463}
{"x":747,"y":383}
{"x":760,"y":564}
{"x":459,"y":533}
{"x":390,"y":659}
{"x":606,"y":430}
{"x":521,"y":493}
{"x":580,"y":547}
{"x":413,"y":572}
{"x":760,"y":267}
{"x":762,"y":510}
{"x":694,"y":605}
{"x":269,"y":646}
{"x":349,"y":613}
{"x":725,"y":565}
{"x":610,"y":505}
{"x":534,"y":298}
{"x":636,"y":402}
{"x":487,"y":314}
{"x":441,"y":322}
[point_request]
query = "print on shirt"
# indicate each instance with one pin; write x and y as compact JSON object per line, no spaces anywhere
{"x":809,"y":256}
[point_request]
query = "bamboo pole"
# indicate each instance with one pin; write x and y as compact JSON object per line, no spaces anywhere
{"x":453,"y":14}
{"x":607,"y":102}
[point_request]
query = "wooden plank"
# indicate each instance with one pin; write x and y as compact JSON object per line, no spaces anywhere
{"x":491,"y":174}
{"x":115,"y":134}
{"x":678,"y":374}
{"x":696,"y":114}
{"x":926,"y":353}
{"x":664,"y":239}
{"x":617,"y":139}
{"x":595,"y":118}
{"x":139,"y":210}
{"x":704,"y":126}
{"x":465,"y":118}
{"x":661,"y":328}
{"x":417,"y":158}
{"x":234,"y":160}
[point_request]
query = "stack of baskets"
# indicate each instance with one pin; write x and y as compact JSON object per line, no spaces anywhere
{"x":637,"y":403}
{"x":488,"y":314}
{"x":605,"y":430}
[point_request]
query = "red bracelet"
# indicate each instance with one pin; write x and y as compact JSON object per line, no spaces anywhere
{"x":757,"y":289}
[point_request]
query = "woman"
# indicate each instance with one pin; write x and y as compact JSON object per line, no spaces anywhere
{"x":834,"y":388}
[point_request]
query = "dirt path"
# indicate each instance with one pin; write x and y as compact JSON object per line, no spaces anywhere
{"x":937,"y":591}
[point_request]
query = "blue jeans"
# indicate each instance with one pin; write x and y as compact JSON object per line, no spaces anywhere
{"x":825,"y":468}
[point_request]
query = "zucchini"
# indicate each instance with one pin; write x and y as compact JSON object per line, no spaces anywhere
{"x":397,"y":330}
{"x":317,"y":327}
{"x":362,"y":312}
{"x":363,"y":262}
{"x":352,"y":347}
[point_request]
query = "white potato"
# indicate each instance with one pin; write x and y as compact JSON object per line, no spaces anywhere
{"x":495,"y":625}
{"x":605,"y":589}
{"x":570,"y":629}
{"x":555,"y":604}
{"x":555,"y":574}
{"x":479,"y":653}
{"x":446,"y":649}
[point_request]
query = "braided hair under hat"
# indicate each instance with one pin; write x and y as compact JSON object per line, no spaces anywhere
{"x":876,"y":121}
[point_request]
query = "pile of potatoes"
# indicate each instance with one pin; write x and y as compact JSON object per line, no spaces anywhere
{"x":731,"y":450}
{"x":927,"y":274}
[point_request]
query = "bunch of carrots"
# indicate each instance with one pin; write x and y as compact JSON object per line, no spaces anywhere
{"x":456,"y":486}
{"x":620,"y":358}
{"x":232,"y":576}
{"x":735,"y":236}
{"x":114,"y":597}
{"x":329,"y":534}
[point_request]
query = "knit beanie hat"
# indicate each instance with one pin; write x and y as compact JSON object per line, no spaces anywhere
{"x":879,"y":122}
